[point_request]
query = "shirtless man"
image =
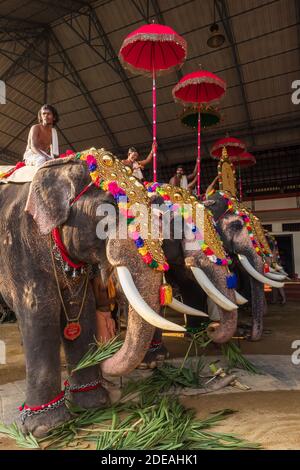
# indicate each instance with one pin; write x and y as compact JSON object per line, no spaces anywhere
{"x":135,"y":164}
{"x":182,"y":180}
{"x":42,"y":144}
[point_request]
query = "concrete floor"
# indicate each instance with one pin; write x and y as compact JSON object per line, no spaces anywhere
{"x":269,"y":412}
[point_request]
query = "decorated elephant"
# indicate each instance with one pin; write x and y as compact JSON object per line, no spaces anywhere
{"x":244,"y":240}
{"x":198,"y":270}
{"x":49,"y":226}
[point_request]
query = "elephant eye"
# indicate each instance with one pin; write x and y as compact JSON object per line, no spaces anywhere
{"x":236,"y":225}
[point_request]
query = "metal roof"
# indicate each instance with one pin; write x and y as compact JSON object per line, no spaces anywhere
{"x":65,"y":53}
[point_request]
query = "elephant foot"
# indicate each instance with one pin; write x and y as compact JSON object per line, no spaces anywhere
{"x":154,"y":357}
{"x":41,"y":424}
{"x":98,"y":398}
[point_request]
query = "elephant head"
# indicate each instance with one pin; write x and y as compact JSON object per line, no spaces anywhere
{"x":51,"y":203}
{"x":238,"y":233}
{"x":201,"y":260}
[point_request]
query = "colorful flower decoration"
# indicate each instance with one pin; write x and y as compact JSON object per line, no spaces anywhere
{"x":121,"y":199}
{"x":233,"y":208}
{"x":68,"y":153}
{"x":176,"y":208}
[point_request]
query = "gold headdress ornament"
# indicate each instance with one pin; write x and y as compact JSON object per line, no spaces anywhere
{"x":227,"y":184}
{"x":110,"y":174}
{"x":226,"y":174}
{"x":256,"y":224}
{"x":199,"y":217}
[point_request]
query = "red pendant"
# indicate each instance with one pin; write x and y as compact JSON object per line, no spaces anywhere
{"x":72,"y":331}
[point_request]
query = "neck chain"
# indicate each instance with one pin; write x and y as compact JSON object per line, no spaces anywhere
{"x":73,"y":328}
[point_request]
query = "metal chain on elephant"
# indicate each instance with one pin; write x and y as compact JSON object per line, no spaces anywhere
{"x":27,"y":411}
{"x":73,"y":328}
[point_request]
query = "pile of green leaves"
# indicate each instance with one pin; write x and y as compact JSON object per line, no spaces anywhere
{"x":168,"y":425}
{"x":161,"y":425}
{"x":25,"y":442}
{"x":163,"y":379}
{"x":154,"y":422}
{"x":235,"y":358}
{"x":98,"y":352}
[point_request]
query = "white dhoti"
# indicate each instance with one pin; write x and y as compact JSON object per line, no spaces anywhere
{"x":33,"y":159}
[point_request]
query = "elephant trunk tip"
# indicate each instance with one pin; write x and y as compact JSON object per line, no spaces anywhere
{"x":223,"y":330}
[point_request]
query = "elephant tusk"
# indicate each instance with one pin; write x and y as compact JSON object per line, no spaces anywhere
{"x":240,"y":300}
{"x":278,"y":269}
{"x":140,"y":306}
{"x":275,"y":277}
{"x":186,"y":309}
{"x":256,"y":275}
{"x":211,"y":290}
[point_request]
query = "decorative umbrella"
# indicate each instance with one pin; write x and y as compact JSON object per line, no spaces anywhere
{"x":233,"y":146}
{"x":244,"y":160}
{"x":153,"y":49}
{"x":200,"y":87}
{"x":209,"y":117}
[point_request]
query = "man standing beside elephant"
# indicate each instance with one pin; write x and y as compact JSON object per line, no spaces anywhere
{"x":42,"y":143}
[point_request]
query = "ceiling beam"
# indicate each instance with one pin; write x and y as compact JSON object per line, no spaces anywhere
{"x":26,"y":55}
{"x":12,"y":24}
{"x":223,"y":11}
{"x":186,"y":141}
{"x":8,"y":156}
{"x":87,"y":95}
{"x":110,"y":57}
{"x":161,"y":20}
{"x":71,"y":146}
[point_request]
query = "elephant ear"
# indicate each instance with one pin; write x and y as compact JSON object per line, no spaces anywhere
{"x":50,"y":194}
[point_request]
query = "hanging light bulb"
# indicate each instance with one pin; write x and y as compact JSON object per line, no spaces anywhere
{"x":216,"y":38}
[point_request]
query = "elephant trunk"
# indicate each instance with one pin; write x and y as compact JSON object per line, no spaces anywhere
{"x":139,"y":332}
{"x":222,"y":330}
{"x":212,"y":279}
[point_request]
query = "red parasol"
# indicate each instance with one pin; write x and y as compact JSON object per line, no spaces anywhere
{"x":244,"y":160}
{"x":200,"y":87}
{"x":209,"y":116}
{"x":233,"y":146}
{"x":153,"y":49}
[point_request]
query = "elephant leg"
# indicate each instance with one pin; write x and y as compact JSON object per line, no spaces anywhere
{"x":258,"y":309}
{"x":74,"y":350}
{"x":41,"y":341}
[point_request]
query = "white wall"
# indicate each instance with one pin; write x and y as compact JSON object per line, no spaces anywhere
{"x":269,"y":216}
{"x":277,"y":230}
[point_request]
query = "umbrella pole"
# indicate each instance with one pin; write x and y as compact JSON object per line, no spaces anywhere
{"x":240,"y":183}
{"x":154,"y":126}
{"x":198,"y":153}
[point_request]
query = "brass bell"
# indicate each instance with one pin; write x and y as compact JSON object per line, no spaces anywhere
{"x":107,"y":160}
{"x":128,"y":170}
{"x":67,"y":268}
{"x":177,"y":197}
